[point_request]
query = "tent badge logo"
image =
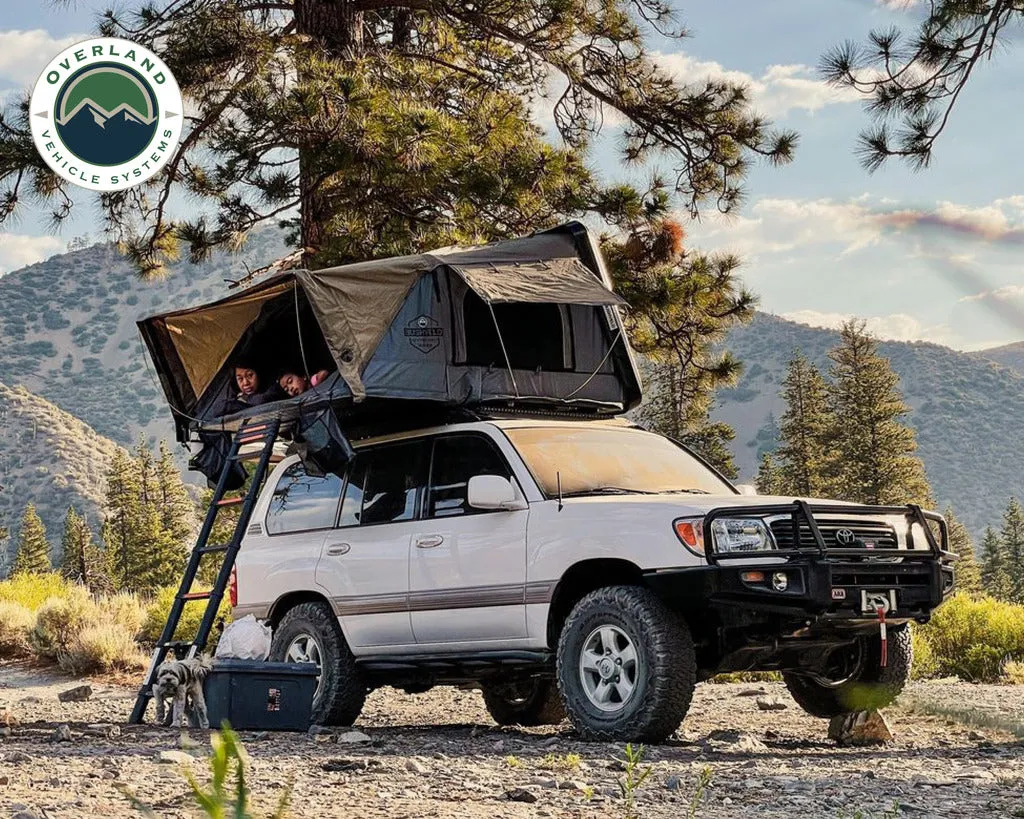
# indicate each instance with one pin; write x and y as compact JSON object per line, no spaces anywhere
{"x":106,"y":114}
{"x":424,"y":333}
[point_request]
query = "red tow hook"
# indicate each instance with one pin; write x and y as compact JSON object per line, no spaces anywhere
{"x":885,"y":640}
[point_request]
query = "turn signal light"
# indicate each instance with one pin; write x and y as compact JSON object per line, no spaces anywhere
{"x":691,"y":532}
{"x":752,"y":577}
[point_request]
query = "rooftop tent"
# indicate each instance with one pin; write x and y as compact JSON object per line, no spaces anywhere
{"x":528,"y":322}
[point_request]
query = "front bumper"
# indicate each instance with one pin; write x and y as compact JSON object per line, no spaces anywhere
{"x":822,"y":586}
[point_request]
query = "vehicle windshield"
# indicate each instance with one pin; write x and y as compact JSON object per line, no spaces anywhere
{"x":603,"y":460}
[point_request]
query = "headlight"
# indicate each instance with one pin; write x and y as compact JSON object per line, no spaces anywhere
{"x":741,"y":535}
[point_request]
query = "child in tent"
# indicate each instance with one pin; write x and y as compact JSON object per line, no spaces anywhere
{"x":294,"y":384}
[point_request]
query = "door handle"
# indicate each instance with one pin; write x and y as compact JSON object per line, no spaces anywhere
{"x":338,"y":549}
{"x":429,"y":541}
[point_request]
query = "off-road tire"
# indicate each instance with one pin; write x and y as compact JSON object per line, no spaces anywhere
{"x":529,"y":703}
{"x":666,"y":665}
{"x":342,"y":691}
{"x":872,"y":686}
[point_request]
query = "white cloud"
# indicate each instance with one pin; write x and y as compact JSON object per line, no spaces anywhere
{"x":23,"y":54}
{"x":895,"y":327}
{"x":898,"y":5}
{"x":18,"y":250}
{"x":779,"y":90}
{"x":1010,"y":292}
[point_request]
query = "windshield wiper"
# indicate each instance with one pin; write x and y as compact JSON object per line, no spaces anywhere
{"x":686,"y":492}
{"x":608,"y":490}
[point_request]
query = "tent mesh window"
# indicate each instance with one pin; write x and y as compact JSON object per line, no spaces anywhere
{"x":534,"y":335}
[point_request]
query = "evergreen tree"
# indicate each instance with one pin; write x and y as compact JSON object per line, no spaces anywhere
{"x":122,"y":524}
{"x":83,"y":561}
{"x":769,"y":480}
{"x":397,"y":124}
{"x":1012,"y":537}
{"x":803,"y":430}
{"x":33,"y":555}
{"x":968,"y":571}
{"x":994,"y":575}
{"x":177,"y":511}
{"x":871,"y":458}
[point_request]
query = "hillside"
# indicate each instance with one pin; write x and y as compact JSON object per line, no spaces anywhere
{"x":51,"y":458}
{"x":1010,"y":356}
{"x":966,"y":410}
{"x":68,"y":334}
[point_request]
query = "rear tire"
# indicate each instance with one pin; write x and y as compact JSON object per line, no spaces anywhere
{"x":528,"y":703}
{"x":626,"y":666}
{"x":309,"y":629}
{"x":868,"y":687}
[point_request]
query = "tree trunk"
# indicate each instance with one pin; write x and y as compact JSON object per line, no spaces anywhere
{"x":336,"y":29}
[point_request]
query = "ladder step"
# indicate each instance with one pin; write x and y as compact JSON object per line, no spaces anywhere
{"x":249,"y":456}
{"x":175,"y":644}
{"x":230,"y":501}
{"x":264,"y":428}
{"x":196,"y":596}
{"x":206,"y":550}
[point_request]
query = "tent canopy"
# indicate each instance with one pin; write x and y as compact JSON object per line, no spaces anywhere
{"x":356,"y":305}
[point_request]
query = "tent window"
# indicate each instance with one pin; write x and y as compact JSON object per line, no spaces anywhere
{"x":535,"y":335}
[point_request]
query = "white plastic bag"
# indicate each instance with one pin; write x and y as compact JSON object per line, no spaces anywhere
{"x":245,"y":639}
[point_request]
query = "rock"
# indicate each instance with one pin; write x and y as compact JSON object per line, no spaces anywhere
{"x":673,"y":783}
{"x":317,"y":730}
{"x":549,"y":742}
{"x":7,"y":719}
{"x":17,"y":756}
{"x":573,"y":785}
{"x":975,"y":736}
{"x":80,"y":693}
{"x":542,"y":782}
{"x":734,"y":741}
{"x":5,"y":780}
{"x":344,"y":765}
{"x":322,"y":738}
{"x":499,"y":746}
{"x":750,"y":692}
{"x":62,"y":733}
{"x":353,"y":737}
{"x":415,"y":766}
{"x":520,"y":795}
{"x":24,"y":814}
{"x":861,"y":728}
{"x":771,"y":704}
{"x":5,"y":731}
{"x":174,"y":758}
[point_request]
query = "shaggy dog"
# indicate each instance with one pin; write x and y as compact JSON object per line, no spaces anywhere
{"x":182,"y":682}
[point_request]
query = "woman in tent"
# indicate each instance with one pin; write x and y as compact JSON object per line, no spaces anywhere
{"x":253,"y":388}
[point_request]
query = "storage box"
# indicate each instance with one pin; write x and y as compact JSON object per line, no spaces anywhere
{"x":260,"y":696}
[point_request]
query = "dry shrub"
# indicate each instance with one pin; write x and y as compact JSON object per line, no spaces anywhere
{"x":1013,"y":672}
{"x":32,"y":590}
{"x":16,"y":623}
{"x":124,"y":610}
{"x":160,"y":607}
{"x":59,"y":621}
{"x":102,"y":647}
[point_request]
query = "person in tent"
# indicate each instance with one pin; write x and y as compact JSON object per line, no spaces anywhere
{"x":294,"y":384}
{"x":252,"y":387}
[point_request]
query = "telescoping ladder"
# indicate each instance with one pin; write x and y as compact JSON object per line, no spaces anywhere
{"x":262,"y":436}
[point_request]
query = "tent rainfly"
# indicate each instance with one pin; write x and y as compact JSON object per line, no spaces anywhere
{"x":524,"y":323}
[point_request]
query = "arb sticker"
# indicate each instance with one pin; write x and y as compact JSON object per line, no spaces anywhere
{"x":106,"y":114}
{"x":838,"y":594}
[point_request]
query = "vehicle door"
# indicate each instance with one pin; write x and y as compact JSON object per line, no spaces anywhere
{"x":467,"y":567}
{"x":365,"y":562}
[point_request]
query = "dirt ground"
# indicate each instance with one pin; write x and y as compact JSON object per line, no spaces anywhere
{"x":439,"y":755}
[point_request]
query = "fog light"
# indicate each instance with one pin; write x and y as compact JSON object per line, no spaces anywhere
{"x":780,"y":582}
{"x":752,"y":577}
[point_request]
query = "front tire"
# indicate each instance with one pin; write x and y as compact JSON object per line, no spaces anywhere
{"x":528,"y":703}
{"x":626,"y":666}
{"x":309,"y":632}
{"x":865,"y":685}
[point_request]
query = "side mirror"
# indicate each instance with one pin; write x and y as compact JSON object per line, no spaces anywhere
{"x":746,"y":488}
{"x":493,"y":492}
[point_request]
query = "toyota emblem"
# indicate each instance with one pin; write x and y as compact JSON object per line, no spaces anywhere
{"x":845,"y":537}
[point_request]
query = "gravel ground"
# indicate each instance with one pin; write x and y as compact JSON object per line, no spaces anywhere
{"x":439,"y":755}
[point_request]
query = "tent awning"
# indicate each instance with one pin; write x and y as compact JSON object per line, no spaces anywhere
{"x":550,"y":281}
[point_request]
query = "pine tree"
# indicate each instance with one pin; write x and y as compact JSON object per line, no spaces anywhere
{"x":33,"y":555}
{"x":769,"y":480}
{"x":123,"y":522}
{"x":994,"y":575}
{"x":871,"y":456}
{"x":1012,"y":537}
{"x":394,"y":125}
{"x":968,"y":571}
{"x":803,"y":430}
{"x":83,"y":561}
{"x":177,"y":511}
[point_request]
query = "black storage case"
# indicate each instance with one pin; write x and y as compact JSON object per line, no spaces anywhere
{"x":260,"y":696}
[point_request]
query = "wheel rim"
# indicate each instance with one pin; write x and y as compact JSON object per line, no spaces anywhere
{"x":304,"y":648}
{"x":840,"y":666}
{"x":609,"y":668}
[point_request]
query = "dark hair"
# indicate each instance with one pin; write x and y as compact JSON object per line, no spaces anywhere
{"x":246,"y":361}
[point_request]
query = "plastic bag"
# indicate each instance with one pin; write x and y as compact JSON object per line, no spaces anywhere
{"x":245,"y":639}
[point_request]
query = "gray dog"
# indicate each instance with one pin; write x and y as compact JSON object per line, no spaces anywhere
{"x":182,"y":682}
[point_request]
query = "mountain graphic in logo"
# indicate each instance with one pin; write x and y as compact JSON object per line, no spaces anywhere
{"x":106,"y":114}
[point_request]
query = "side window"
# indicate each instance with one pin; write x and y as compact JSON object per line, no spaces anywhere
{"x":303,"y":502}
{"x":396,"y":475}
{"x":457,"y":458}
{"x":352,"y":501}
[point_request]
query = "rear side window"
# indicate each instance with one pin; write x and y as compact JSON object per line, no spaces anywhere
{"x":394,"y":478}
{"x":302,"y":502}
{"x":457,"y":458}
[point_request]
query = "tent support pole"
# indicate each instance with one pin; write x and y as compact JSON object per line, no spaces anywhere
{"x":504,"y":352}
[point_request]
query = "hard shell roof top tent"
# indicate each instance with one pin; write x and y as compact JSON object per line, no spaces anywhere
{"x":521,"y":325}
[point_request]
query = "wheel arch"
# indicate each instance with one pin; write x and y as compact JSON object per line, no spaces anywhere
{"x":288,"y":601}
{"x":582,"y":578}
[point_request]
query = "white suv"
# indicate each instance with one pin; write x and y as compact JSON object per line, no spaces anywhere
{"x":581,"y":568}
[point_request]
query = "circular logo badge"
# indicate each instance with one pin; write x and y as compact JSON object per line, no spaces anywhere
{"x":106,"y":114}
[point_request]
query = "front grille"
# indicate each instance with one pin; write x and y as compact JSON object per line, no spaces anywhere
{"x":866,"y":534}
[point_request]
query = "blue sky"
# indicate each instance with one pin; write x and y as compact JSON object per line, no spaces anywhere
{"x":930,"y":255}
